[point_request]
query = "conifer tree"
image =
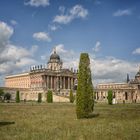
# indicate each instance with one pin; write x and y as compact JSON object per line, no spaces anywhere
{"x":71,"y":97}
{"x":17,"y":97}
{"x":49,"y":96}
{"x":84,"y":95}
{"x":39,"y":97}
{"x":1,"y":92}
{"x":110,"y":97}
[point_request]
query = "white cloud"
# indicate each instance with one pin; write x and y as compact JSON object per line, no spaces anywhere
{"x":79,"y":11}
{"x":13,"y":22}
{"x":62,"y":9}
{"x":111,"y":69}
{"x":136,"y":51}
{"x":97,"y":46}
{"x":33,"y":49}
{"x":5,"y":34}
{"x":63,"y":19}
{"x":125,"y":12}
{"x":42,"y":36}
{"x":53,"y":27}
{"x":37,"y":3}
{"x":60,"y":49}
{"x":13,"y":53}
{"x":43,"y":57}
{"x":25,"y":62}
{"x":13,"y":58}
{"x":75,"y":12}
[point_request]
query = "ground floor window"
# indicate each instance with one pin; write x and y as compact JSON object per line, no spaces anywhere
{"x":126,"y":96}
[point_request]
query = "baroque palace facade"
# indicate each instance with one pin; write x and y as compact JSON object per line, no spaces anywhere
{"x":41,"y":79}
{"x":128,"y":92}
{"x":54,"y":77}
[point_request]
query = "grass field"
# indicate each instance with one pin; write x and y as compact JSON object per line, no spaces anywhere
{"x":57,"y":121}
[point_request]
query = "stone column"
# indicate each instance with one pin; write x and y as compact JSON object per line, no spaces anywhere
{"x":55,"y":83}
{"x":68,"y":82}
{"x":60,"y":82}
{"x":51,"y":82}
{"x":48,"y":82}
{"x":100,"y":95}
{"x":72,"y":83}
{"x":64,"y":82}
{"x":42,"y":81}
{"x":96,"y":95}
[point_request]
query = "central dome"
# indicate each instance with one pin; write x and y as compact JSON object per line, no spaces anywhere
{"x":138,"y":74}
{"x":55,"y":62}
{"x":54,"y":56}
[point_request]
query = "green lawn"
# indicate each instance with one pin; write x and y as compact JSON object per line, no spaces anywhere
{"x":57,"y":121}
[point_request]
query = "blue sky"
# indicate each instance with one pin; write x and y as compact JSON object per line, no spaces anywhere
{"x":108,"y":30}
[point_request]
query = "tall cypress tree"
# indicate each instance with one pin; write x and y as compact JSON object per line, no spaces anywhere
{"x":17,"y":97}
{"x":84,"y":95}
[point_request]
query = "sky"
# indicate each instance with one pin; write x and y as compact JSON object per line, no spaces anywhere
{"x":108,"y":30}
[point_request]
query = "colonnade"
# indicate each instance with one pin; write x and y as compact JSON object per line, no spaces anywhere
{"x":58,"y":82}
{"x":119,"y":95}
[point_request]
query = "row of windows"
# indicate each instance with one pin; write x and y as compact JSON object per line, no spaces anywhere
{"x":22,"y":79}
{"x":112,"y":86}
{"x":119,"y":96}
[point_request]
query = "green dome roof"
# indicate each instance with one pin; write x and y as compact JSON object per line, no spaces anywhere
{"x":54,"y":56}
{"x":138,"y":74}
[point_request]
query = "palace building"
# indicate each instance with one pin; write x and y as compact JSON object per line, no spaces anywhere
{"x":41,"y":78}
{"x":122,"y":92}
{"x":60,"y":81}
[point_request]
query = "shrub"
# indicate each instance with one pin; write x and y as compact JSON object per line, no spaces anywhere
{"x":110,"y":97}
{"x":17,"y":97}
{"x":49,"y":96}
{"x":39,"y":98}
{"x":84,"y":95}
{"x":1,"y":92}
{"x":71,"y":97}
{"x":7,"y":96}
